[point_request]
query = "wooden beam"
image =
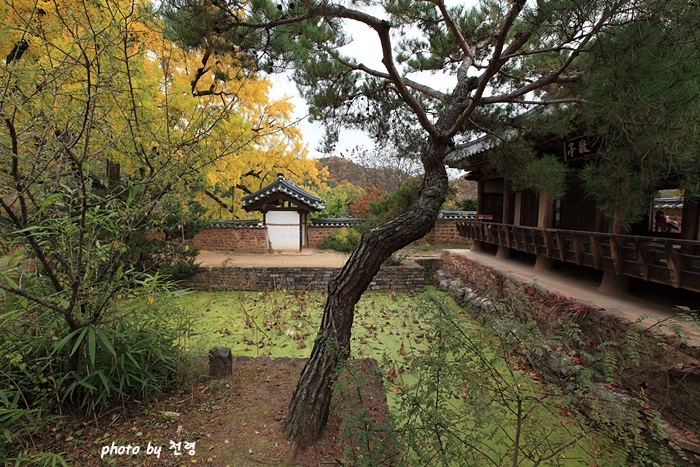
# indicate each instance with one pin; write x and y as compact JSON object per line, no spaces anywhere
{"x":578,"y":250}
{"x":643,"y":258}
{"x":499,"y":233}
{"x":561,"y":247}
{"x":674,"y":263}
{"x":535,"y":245}
{"x":615,"y":253}
{"x":547,"y":243}
{"x":596,"y":251}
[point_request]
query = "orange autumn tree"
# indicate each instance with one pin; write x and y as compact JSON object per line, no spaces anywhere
{"x":362,"y":208}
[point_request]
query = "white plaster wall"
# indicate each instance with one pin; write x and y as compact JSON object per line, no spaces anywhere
{"x":283,"y":229}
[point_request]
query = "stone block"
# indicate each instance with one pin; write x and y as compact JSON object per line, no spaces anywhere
{"x":220,"y":362}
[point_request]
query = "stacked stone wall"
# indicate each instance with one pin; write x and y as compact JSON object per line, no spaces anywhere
{"x":670,"y":373}
{"x":444,"y":233}
{"x":404,"y":278}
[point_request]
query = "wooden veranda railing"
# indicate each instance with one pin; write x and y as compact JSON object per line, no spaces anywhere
{"x":663,"y":260}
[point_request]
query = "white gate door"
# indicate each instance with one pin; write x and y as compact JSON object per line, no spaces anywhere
{"x":283,"y":229}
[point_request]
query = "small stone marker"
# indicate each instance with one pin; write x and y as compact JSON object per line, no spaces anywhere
{"x":220,"y":362}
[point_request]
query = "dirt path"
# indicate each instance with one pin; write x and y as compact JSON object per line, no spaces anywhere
{"x":306,"y":258}
{"x":630,"y":307}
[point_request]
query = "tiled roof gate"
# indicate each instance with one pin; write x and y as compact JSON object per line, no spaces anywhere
{"x":285,"y":207}
{"x":279,"y":191}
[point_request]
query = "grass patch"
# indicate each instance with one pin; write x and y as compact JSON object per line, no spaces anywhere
{"x":483,"y":400}
{"x":278,"y":324}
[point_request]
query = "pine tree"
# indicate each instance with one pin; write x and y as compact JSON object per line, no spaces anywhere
{"x":496,"y":54}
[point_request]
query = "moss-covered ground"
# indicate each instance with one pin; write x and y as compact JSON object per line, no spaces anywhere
{"x":391,"y":329}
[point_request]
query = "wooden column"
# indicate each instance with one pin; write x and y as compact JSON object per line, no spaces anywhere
{"x":546,"y":220}
{"x":476,"y":244}
{"x":547,"y":204}
{"x":691,"y":226}
{"x":504,"y":245}
{"x":507,"y":208}
{"x":479,"y":198}
{"x":613,"y":282}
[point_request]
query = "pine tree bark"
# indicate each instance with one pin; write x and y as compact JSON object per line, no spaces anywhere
{"x":310,"y":404}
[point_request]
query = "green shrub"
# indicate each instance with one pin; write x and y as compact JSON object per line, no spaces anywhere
{"x":474,"y":400}
{"x":171,"y":259}
{"x":46,"y":370}
{"x":345,"y":240}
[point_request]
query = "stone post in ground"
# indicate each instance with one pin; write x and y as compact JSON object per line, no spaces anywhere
{"x":220,"y":362}
{"x":542,"y":263}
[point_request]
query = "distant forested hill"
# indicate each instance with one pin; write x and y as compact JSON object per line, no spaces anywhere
{"x":387,"y":179}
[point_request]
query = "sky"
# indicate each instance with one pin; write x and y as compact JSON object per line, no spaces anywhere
{"x":363,"y":39}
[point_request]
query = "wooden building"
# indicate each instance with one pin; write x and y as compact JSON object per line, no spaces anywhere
{"x":573,"y":229}
{"x":285,"y":209}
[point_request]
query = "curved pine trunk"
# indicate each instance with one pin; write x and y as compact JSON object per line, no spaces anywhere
{"x":310,"y":404}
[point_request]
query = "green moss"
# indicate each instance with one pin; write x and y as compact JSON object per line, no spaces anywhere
{"x":398,"y":332}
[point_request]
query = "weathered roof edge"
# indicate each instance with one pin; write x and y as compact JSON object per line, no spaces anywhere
{"x":288,"y":187}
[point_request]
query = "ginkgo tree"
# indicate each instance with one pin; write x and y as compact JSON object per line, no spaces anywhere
{"x":101,"y":119}
{"x":271,"y":144}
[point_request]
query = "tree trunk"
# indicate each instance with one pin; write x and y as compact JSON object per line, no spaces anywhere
{"x":310,"y":404}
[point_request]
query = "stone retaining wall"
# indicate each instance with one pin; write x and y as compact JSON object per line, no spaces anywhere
{"x":670,"y":376}
{"x":404,"y":278}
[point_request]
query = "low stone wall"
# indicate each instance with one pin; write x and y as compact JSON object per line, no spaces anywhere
{"x":254,"y":239}
{"x":404,"y":278}
{"x":244,"y":240}
{"x":316,"y":234}
{"x":444,"y":233}
{"x":670,"y":376}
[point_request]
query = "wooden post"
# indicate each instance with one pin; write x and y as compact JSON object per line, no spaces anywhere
{"x":615,"y":253}
{"x":643,"y":258}
{"x":220,"y":362}
{"x":691,"y":226}
{"x":479,"y":198}
{"x":506,"y":218}
{"x":535,"y":244}
{"x":561,"y":247}
{"x":674,"y":264}
{"x":578,"y":250}
{"x":548,"y":214}
{"x":596,"y":251}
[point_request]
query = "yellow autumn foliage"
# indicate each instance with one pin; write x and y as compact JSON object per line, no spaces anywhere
{"x":149,"y":105}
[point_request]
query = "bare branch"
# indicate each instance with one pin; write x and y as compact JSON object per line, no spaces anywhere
{"x":496,"y":62}
{"x":441,"y":96}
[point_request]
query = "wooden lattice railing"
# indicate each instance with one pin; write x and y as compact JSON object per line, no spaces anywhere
{"x":664,"y":260}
